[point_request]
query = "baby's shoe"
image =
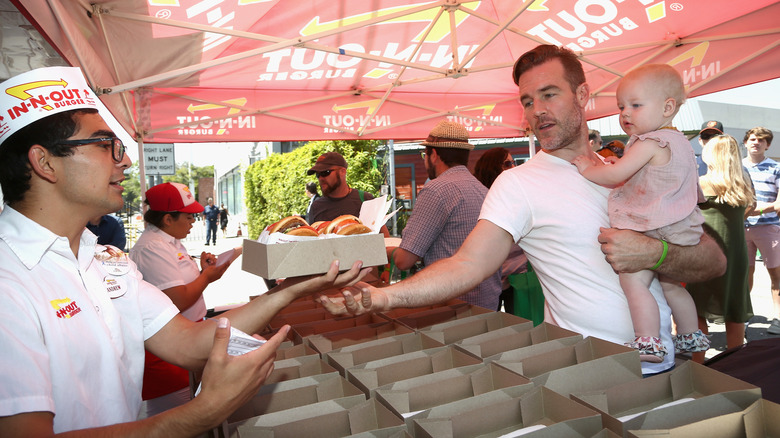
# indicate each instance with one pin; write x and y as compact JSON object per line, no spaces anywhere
{"x":691,"y":342}
{"x":650,"y":348}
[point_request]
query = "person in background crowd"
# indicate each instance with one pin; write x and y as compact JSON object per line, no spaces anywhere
{"x":574,"y":253}
{"x":313,"y":195}
{"x":164,"y":262}
{"x":211,"y":214}
{"x":763,"y":225}
{"x":486,"y":170}
{"x":446,"y":210}
{"x":709,"y":129}
{"x":223,"y":219}
{"x":614,"y":148}
{"x":730,"y":196}
{"x":594,"y":140}
{"x":109,"y":230}
{"x":656,"y":193}
{"x":77,"y":315}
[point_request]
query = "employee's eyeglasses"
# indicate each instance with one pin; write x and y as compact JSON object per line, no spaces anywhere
{"x":117,"y":147}
{"x":508,"y":164}
{"x":324,"y":173}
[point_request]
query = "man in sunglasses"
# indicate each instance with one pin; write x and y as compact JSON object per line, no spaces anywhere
{"x":709,"y":129}
{"x":76,"y":315}
{"x":337,"y":196}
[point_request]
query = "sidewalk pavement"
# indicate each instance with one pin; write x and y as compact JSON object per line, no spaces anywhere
{"x":236,"y":286}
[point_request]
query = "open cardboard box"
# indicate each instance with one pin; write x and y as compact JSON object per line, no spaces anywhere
{"x":328,"y":419}
{"x":349,"y":356}
{"x":404,"y":311}
{"x":438,"y":315}
{"x":714,"y":416}
{"x":383,"y":433}
{"x":502,"y":412}
{"x":288,"y":350}
{"x":295,"y":393}
{"x":453,"y":331}
{"x":408,"y":397}
{"x":300,"y":331}
{"x":514,"y":337}
{"x":294,"y":259}
{"x":297,"y":367}
{"x":300,"y":317}
{"x":334,"y":340}
{"x":371,"y":375}
{"x":689,"y":380}
{"x":590,"y":364}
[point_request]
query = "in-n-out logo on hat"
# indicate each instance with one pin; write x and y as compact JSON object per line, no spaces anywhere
{"x":40,"y":93}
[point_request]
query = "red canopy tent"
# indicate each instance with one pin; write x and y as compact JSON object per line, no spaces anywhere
{"x":249,"y":70}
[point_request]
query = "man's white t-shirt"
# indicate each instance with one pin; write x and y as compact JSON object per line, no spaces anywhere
{"x":554,"y":214}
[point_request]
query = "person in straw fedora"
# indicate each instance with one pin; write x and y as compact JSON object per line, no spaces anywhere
{"x":447,"y":209}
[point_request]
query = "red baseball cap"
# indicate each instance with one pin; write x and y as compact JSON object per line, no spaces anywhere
{"x":172,"y":196}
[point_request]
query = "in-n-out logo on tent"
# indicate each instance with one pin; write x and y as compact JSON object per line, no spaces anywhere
{"x":200,"y":121}
{"x":588,"y":23}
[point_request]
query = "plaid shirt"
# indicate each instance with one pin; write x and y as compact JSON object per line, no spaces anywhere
{"x":766,"y":181}
{"x":446,"y":211}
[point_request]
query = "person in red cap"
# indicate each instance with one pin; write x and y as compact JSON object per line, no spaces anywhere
{"x":709,"y":129}
{"x":164,"y":262}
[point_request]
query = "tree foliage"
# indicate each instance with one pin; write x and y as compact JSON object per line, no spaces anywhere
{"x":132,"y":186}
{"x":274,"y":187}
{"x":184,"y":171}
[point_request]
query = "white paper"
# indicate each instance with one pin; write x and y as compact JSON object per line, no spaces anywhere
{"x":240,"y":343}
{"x":625,"y":418}
{"x":229,"y":255}
{"x":523,"y":431}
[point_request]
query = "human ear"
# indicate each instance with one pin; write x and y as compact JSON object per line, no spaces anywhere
{"x":582,"y":94}
{"x":40,"y":160}
{"x":670,"y":105}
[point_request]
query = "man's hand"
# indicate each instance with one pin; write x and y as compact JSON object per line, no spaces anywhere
{"x":302,"y":286}
{"x":356,"y":300}
{"x":627,"y":250}
{"x":231,"y":381}
{"x":630,"y":251}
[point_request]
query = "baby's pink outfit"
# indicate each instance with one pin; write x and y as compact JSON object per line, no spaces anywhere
{"x":661,"y":201}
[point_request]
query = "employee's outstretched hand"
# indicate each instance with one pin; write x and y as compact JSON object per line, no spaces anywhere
{"x":231,"y":381}
{"x":356,"y":300}
{"x":311,"y":284}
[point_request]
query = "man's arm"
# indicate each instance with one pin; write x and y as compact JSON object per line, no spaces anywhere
{"x":630,"y":251}
{"x":228,"y":383}
{"x":402,"y":258}
{"x":480,"y":256}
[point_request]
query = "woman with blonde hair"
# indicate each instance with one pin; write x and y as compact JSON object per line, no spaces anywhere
{"x":729,"y":192}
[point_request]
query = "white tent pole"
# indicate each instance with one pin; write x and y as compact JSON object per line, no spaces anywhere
{"x":391,"y":178}
{"x":141,"y":170}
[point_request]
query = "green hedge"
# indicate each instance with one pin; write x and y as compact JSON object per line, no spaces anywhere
{"x":275,"y":187}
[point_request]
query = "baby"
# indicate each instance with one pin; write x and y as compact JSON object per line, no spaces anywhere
{"x":655,"y":192}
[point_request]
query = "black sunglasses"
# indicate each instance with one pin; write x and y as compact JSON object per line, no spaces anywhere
{"x":117,"y":147}
{"x":324,"y":173}
{"x":508,"y":164}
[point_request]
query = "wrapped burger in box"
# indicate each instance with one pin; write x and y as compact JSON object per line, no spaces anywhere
{"x":279,"y":255}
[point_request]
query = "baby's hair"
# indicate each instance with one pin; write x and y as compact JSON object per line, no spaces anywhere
{"x":668,"y":79}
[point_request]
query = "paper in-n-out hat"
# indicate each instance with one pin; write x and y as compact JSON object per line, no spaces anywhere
{"x":172,"y":196}
{"x":40,"y":93}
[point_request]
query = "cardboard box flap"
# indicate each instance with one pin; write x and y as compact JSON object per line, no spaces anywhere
{"x":430,"y":390}
{"x":452,"y":331}
{"x":357,"y":354}
{"x":500,"y":412}
{"x":522,"y":353}
{"x":328,"y":325}
{"x":299,"y":350}
{"x":334,"y":340}
{"x":512,"y":337}
{"x":372,"y":415}
{"x":297,"y":367}
{"x":593,"y":374}
{"x":389,"y":432}
{"x":328,"y":418}
{"x":693,"y":411}
{"x":439,"y":315}
{"x":282,"y":260}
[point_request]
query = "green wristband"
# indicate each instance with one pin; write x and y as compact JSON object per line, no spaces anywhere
{"x":663,"y":256}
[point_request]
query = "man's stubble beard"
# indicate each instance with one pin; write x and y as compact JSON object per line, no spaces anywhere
{"x":569,"y":128}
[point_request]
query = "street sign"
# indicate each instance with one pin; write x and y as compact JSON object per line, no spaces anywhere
{"x":159,"y":159}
